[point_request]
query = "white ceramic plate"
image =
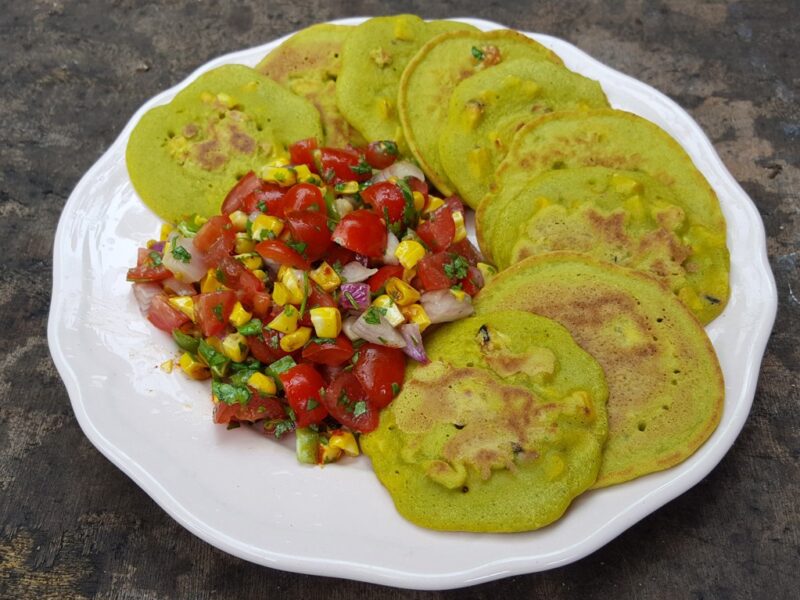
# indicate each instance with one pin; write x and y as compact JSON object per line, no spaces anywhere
{"x":247,"y":495}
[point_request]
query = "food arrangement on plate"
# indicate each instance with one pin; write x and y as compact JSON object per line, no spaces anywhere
{"x":316,"y":230}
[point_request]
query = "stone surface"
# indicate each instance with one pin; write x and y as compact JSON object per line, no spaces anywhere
{"x":74,"y":526}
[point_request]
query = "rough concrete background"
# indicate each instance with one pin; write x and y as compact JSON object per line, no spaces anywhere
{"x":73,"y":526}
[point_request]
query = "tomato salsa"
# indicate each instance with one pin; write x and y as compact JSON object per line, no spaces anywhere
{"x":303,"y":298}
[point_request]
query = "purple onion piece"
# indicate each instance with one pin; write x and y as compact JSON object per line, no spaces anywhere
{"x":157,"y":247}
{"x":413,"y":338}
{"x":354,"y":297}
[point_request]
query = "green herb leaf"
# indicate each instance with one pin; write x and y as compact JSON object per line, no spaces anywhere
{"x":457,"y":268}
{"x":477,"y":53}
{"x":395,"y":388}
{"x":362,"y":168}
{"x":359,"y":408}
{"x":311,"y":404}
{"x":217,"y":310}
{"x":299,"y":247}
{"x":284,"y":364}
{"x":182,"y":254}
{"x":252,"y":327}
{"x":155,"y":258}
{"x":373,"y":315}
{"x":230,"y":394}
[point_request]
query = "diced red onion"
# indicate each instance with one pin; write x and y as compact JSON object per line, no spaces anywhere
{"x":442,"y":306}
{"x":157,"y":247}
{"x":399,"y":170}
{"x":144,"y":294}
{"x":413,"y":338}
{"x":391,"y":245}
{"x":358,"y":292}
{"x":354,"y":272}
{"x":178,"y":287}
{"x":379,"y":333}
{"x":190,"y":271}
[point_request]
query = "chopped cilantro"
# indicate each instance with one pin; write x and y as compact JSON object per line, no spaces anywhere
{"x":359,"y":408}
{"x":305,"y":294}
{"x":373,"y":315}
{"x":252,"y":327}
{"x":351,"y":300}
{"x":230,"y":394}
{"x":299,"y":247}
{"x":344,"y":399}
{"x":219,"y":275}
{"x":180,"y":253}
{"x":282,"y":427}
{"x":311,"y":404}
{"x":395,"y":388}
{"x":320,"y":340}
{"x":284,"y":364}
{"x":216,"y":361}
{"x":155,"y":258}
{"x":388,"y":147}
{"x":188,"y":228}
{"x":477,"y":53}
{"x":362,"y":168}
{"x":457,"y":267}
{"x":217,"y":310}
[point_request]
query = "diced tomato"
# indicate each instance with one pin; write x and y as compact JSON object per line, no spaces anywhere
{"x":310,"y":228}
{"x":319,"y":297}
{"x":304,"y":196}
{"x":212,"y":310}
{"x":431,"y":273}
{"x":163,"y":316}
{"x":337,"y":165}
{"x":455,"y":203}
{"x":381,"y":154}
{"x":277,"y":251}
{"x":473,"y":282}
{"x":260,"y":304}
{"x":257,"y":408}
{"x":379,"y":279}
{"x":439,"y":230}
{"x":237,"y":277}
{"x":467,"y":250}
{"x":302,"y":384}
{"x":337,"y":253}
{"x":146,"y":268}
{"x":362,"y":231}
{"x":332,"y":353}
{"x":386,"y":198}
{"x":349,"y":404}
{"x":380,"y":370}
{"x":235,"y":199}
{"x":268,"y":199}
{"x":267,"y":347}
{"x":302,"y":153}
{"x":217,"y":231}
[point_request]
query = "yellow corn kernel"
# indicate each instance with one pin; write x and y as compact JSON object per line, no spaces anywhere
{"x":325,"y":277}
{"x":304,"y":175}
{"x":215,"y":343}
{"x":167,"y":365}
{"x":226,"y":100}
{"x":238,"y":220}
{"x":243,"y":243}
{"x":419,"y":200}
{"x":210,"y":283}
{"x":286,"y":322}
{"x":166,"y":229}
{"x":295,"y":340}
{"x":401,"y":292}
{"x":415,"y":313}
{"x":409,"y":274}
{"x":461,"y":229}
{"x":234,"y":346}
{"x":262,"y":383}
{"x":266,"y":226}
{"x":348,"y":187}
{"x":193,"y":367}
{"x":239,"y":316}
{"x":328,"y":453}
{"x":185,"y":304}
{"x":280,"y":295}
{"x":283,"y":176}
{"x":250,"y":260}
{"x":391,"y":310}
{"x":344,"y":440}
{"x":293,"y":281}
{"x":409,"y":253}
{"x":199,"y":221}
{"x":434,"y":202}
{"x":279,"y":159}
{"x":487,"y":270}
{"x":459,"y":294}
{"x":261,"y":274}
{"x":327,"y":321}
{"x":625,"y":185}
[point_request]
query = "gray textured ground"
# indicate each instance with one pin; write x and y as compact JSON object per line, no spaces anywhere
{"x":71,"y":75}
